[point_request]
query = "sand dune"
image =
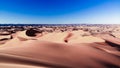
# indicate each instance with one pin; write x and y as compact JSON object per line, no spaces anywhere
{"x":22,"y":34}
{"x":109,"y":38}
{"x":52,"y":50}
{"x":55,"y":37}
{"x":77,"y":37}
{"x":4,"y":38}
{"x":65,"y":55}
{"x":86,"y":39}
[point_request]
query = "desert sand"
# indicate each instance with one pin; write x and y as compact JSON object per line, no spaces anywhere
{"x":68,"y":49}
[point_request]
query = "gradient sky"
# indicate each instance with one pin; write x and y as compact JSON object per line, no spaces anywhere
{"x":59,"y":11}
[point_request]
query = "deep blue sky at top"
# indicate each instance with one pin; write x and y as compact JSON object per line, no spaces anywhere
{"x":59,"y":11}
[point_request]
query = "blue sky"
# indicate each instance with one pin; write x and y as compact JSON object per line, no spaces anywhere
{"x":59,"y":11}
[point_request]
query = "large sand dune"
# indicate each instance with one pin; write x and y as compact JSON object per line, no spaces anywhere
{"x":52,"y":50}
